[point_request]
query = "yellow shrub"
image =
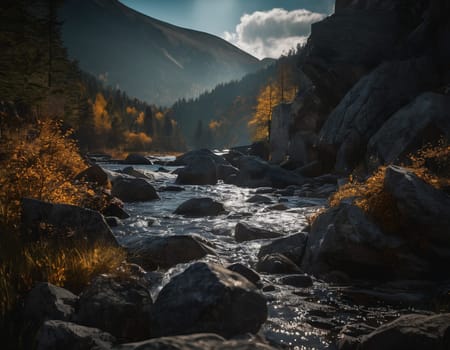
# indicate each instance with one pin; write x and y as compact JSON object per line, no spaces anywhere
{"x":40,"y":162}
{"x":371,"y":196}
{"x":138,"y":141}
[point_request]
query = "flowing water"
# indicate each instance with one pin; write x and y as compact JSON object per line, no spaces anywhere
{"x":299,"y":318}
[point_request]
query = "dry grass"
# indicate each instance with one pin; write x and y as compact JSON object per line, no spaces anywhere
{"x":432,"y":164}
{"x":72,"y":268}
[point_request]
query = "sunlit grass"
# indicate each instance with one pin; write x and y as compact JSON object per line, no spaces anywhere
{"x":431,"y":164}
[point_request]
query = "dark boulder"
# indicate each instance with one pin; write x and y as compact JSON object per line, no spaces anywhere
{"x":191,"y":156}
{"x":225,"y":170}
{"x":137,"y":159}
{"x":133,"y":190}
{"x":165,"y":252}
{"x":64,"y":222}
{"x":244,"y":232}
{"x":94,"y":174}
{"x":260,"y":149}
{"x":412,"y":332}
{"x":202,"y":341}
{"x":136,"y":173}
{"x":57,"y":335}
{"x":245,"y":271}
{"x":48,"y":302}
{"x":171,"y":188}
{"x":201,"y":170}
{"x":118,"y":306}
{"x":113,"y":221}
{"x":277,"y":264}
{"x":343,"y":238}
{"x":299,"y":281}
{"x":257,"y":198}
{"x":293,"y":247}
{"x":197,"y":207}
{"x":208,"y":298}
{"x":115,"y":210}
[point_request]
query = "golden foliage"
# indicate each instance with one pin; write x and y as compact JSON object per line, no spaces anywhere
{"x":270,"y":96}
{"x":102,"y":119}
{"x":159,"y":116}
{"x":372,"y":197}
{"x":140,"y":119}
{"x":138,"y":141}
{"x":131,"y":110}
{"x":40,"y":162}
{"x":215,"y":124}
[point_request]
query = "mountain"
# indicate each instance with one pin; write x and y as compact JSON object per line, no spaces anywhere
{"x":149,"y":59}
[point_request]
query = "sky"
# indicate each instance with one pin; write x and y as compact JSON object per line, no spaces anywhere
{"x":263,"y":28}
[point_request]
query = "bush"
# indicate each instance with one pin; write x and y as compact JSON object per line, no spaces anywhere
{"x":40,"y":161}
{"x":431,"y":164}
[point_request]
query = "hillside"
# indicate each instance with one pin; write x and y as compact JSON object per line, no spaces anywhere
{"x":150,"y":59}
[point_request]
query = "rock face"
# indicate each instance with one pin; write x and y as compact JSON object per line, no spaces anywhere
{"x":201,"y":170}
{"x":118,"y":306}
{"x":423,"y":120}
{"x":49,"y":302}
{"x":374,"y":99}
{"x":344,"y":239}
{"x":208,"y":298}
{"x":66,"y":221}
{"x":244,"y":232}
{"x":196,"y":207}
{"x":292,"y":247}
{"x":166,"y":252}
{"x":412,"y":332}
{"x":279,"y":134}
{"x":94,"y":174}
{"x":133,"y":190}
{"x":56,"y":335}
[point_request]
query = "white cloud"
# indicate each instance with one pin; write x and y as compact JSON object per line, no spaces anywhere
{"x":272,"y":33}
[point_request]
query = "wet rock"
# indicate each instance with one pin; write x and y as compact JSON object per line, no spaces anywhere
{"x":133,"y":190}
{"x":94,"y":174}
{"x":137,"y":159}
{"x":423,"y":120}
{"x":233,"y":157}
{"x":343,"y":238}
{"x":255,"y":172}
{"x":56,"y":335}
{"x":192,"y":156}
{"x":171,"y":188}
{"x":243,"y":232}
{"x":196,"y":207}
{"x":138,"y":174}
{"x":278,"y":207}
{"x":208,"y":298}
{"x":115,"y":210}
{"x":165,"y":252}
{"x":312,"y":169}
{"x":292,"y":247}
{"x":196,"y":342}
{"x":265,"y":190}
{"x":67,"y":223}
{"x":269,"y":288}
{"x":325,"y":191}
{"x":118,"y":306}
{"x":300,"y":281}
{"x":277,"y":264}
{"x":225,"y":170}
{"x":259,"y":199}
{"x":200,"y":171}
{"x":245,"y":271}
{"x":260,"y":149}
{"x":412,"y":332}
{"x":48,"y":302}
{"x":112,"y":221}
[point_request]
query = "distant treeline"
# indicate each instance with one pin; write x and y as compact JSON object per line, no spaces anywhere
{"x":38,"y":81}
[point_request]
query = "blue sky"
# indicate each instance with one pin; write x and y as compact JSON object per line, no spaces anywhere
{"x":253,"y":25}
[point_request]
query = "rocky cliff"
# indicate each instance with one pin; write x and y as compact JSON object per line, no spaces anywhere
{"x":364,"y":69}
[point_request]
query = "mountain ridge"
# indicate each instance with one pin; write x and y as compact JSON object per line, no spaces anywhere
{"x":168,"y":62}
